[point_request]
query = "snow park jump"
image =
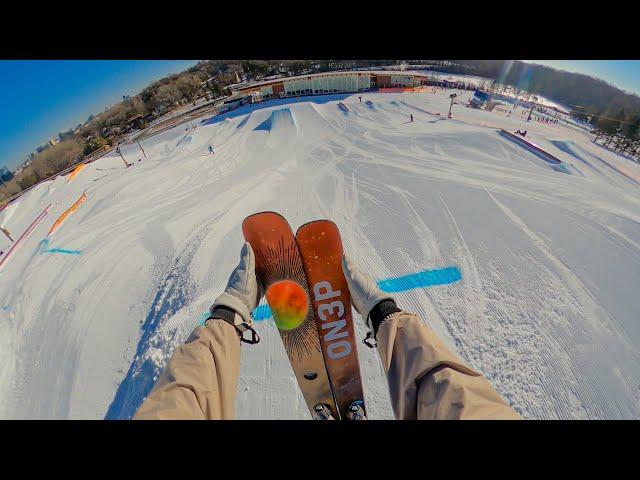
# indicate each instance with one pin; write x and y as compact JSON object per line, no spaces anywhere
{"x":343,"y":108}
{"x":554,"y":162}
{"x":572,"y":149}
{"x":279,"y":119}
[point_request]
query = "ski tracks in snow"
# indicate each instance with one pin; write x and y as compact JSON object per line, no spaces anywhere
{"x":561,"y":351}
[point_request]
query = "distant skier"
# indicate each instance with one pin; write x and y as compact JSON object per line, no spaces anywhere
{"x":411,"y":115}
{"x":426,"y":380}
{"x":360,"y":98}
{"x":210,"y":150}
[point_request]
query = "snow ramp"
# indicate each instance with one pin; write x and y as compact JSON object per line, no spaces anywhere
{"x":281,"y":126}
{"x":568,"y":146}
{"x":572,"y":149}
{"x":243,"y":122}
{"x":281,"y":119}
{"x":343,"y":107}
{"x":554,"y":162}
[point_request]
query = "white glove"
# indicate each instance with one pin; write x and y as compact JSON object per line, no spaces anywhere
{"x":243,"y":291}
{"x":364,"y":290}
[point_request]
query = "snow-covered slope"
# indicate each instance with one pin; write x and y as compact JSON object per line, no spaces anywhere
{"x":550,"y":262}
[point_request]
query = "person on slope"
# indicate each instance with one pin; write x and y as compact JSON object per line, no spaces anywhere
{"x":426,"y":380}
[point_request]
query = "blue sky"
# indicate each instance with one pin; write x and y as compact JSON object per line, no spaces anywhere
{"x":38,"y":99}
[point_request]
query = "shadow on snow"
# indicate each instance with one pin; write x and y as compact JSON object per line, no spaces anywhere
{"x":145,"y":369}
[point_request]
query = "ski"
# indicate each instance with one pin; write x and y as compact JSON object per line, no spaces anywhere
{"x":279,"y":269}
{"x":321,"y":249}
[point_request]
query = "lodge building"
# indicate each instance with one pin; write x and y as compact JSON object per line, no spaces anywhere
{"x":333,"y":82}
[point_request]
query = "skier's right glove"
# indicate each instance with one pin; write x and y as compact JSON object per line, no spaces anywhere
{"x":241,"y":296}
{"x":370,"y":302}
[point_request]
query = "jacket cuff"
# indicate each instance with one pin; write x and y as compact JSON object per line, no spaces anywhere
{"x":224,"y":313}
{"x":236,"y":320}
{"x":381,"y":311}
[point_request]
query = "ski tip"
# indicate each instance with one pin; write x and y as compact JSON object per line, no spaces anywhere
{"x":260,"y":214}
{"x":262,"y":218}
{"x":315,"y":222}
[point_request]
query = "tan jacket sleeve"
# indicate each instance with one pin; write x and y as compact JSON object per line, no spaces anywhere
{"x":201,"y":379}
{"x":427,"y":381}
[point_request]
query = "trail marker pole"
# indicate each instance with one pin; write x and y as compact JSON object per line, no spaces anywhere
{"x":6,"y":232}
{"x":122,"y":156}
{"x":143,"y":152}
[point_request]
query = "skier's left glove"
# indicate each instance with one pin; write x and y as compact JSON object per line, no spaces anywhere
{"x":241,"y":296}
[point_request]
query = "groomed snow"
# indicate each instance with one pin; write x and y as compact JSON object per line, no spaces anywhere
{"x":547,"y":307}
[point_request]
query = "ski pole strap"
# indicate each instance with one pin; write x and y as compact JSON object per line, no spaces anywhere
{"x":255,"y":338}
{"x":370,"y":340}
{"x":229,"y":316}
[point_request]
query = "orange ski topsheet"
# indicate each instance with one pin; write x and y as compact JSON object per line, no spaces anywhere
{"x":277,"y":261}
{"x":320,"y":246}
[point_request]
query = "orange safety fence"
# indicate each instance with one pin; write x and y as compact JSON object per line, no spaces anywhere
{"x":75,"y":172}
{"x":420,"y":89}
{"x":68,"y":212}
{"x":395,"y":90}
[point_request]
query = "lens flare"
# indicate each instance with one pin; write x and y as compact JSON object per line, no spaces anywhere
{"x":289,"y":304}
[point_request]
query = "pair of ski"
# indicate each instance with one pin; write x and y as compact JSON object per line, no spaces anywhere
{"x":303,"y":274}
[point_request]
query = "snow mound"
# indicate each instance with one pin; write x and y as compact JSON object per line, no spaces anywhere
{"x":278,"y":120}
